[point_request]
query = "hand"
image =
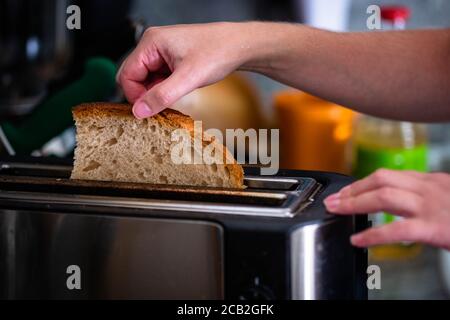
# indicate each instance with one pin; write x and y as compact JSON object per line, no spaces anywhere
{"x":169,"y":62}
{"x":423,"y":199}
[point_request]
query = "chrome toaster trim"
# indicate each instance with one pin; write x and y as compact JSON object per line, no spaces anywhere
{"x":294,"y":194}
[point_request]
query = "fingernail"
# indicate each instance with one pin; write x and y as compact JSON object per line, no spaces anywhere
{"x":332,"y":202}
{"x":142,"y":110}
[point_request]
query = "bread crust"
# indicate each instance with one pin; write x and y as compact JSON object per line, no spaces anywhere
{"x":170,"y":118}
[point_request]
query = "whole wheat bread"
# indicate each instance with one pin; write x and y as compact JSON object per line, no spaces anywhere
{"x":112,"y":145}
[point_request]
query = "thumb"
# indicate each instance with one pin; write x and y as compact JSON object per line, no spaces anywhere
{"x":165,"y":93}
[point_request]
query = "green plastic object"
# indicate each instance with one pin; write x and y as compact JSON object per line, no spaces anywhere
{"x":54,"y":115}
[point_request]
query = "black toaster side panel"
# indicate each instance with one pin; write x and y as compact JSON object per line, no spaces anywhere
{"x":266,"y":260}
{"x":311,"y":261}
{"x":256,"y":264}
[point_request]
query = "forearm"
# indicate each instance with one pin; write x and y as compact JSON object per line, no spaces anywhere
{"x":398,"y":75}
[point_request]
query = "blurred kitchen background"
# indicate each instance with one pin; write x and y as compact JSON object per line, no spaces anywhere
{"x":45,"y":69}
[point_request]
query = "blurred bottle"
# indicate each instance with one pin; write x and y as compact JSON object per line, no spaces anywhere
{"x":381,"y":143}
{"x":314,"y":133}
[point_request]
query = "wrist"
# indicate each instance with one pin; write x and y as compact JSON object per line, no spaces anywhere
{"x":266,"y":46}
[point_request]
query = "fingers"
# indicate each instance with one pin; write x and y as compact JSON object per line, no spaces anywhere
{"x":164,"y":94}
{"x":150,"y":85}
{"x":441,"y":180}
{"x":406,"y":180}
{"x":403,"y":230}
{"x":134,"y":71}
{"x":395,"y":201}
{"x":416,"y":196}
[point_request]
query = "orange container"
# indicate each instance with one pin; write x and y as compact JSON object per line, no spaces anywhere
{"x":314,"y":134}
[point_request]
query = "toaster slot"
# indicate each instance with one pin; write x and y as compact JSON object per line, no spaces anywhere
{"x":273,"y":196}
{"x":30,"y":170}
{"x":63,"y":172}
{"x":269,"y":183}
{"x":142,"y":191}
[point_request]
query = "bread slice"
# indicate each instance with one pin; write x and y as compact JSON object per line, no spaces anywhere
{"x":112,"y":145}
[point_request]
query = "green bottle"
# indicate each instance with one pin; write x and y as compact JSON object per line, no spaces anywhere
{"x":396,"y":145}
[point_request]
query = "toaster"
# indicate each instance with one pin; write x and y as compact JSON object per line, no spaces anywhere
{"x":76,"y":239}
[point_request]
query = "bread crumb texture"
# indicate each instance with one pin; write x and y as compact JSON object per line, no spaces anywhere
{"x":112,"y":145}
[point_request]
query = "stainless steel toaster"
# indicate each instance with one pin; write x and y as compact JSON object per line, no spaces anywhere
{"x":272,"y":240}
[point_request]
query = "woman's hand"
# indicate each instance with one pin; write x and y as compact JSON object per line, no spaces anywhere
{"x":423,"y":199}
{"x":169,"y":62}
